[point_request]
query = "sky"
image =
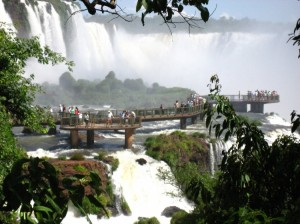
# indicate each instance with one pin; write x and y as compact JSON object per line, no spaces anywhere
{"x":265,"y":10}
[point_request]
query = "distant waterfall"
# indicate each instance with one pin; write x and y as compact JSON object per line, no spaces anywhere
{"x":45,"y":23}
{"x":180,"y":59}
{"x":215,"y":154}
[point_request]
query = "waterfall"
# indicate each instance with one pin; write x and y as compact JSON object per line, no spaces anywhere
{"x":211,"y":159}
{"x":244,"y":58}
{"x":4,"y":16}
{"x":145,"y":193}
{"x":215,"y":154}
{"x":45,"y":23}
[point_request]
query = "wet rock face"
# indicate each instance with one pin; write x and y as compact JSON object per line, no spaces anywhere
{"x":170,"y":211}
{"x":141,"y":161}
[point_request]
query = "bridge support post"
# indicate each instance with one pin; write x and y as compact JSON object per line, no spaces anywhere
{"x":90,"y":137}
{"x":257,"y":107}
{"x":128,"y":138}
{"x":74,"y":138}
{"x":182,"y":123}
{"x":239,"y":107}
{"x":194,"y":119}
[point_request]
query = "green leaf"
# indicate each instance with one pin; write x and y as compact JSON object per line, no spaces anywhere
{"x":97,"y":203}
{"x":139,"y":5}
{"x":204,"y":14}
{"x":180,"y":8}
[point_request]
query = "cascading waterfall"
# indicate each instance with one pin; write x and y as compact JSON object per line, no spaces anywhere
{"x":98,"y":48}
{"x":46,"y":25}
{"x":4,"y":16}
{"x":145,"y":193}
{"x":215,"y":154}
{"x":211,"y":158}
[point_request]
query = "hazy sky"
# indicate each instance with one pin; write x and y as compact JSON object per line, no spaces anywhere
{"x":267,"y":10}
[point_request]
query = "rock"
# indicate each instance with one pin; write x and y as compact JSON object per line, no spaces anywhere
{"x":68,"y":168}
{"x":169,"y":211}
{"x":141,"y":161}
{"x":52,"y":131}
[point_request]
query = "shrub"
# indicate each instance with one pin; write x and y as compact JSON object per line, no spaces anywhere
{"x":78,"y":157}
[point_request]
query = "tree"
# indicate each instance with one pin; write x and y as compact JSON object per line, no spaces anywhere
{"x":17,"y":92}
{"x":28,"y":180}
{"x":295,"y":36}
{"x":67,"y":81}
{"x":165,"y":9}
{"x":258,"y":182}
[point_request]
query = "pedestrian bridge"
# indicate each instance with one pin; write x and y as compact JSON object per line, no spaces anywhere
{"x":98,"y":121}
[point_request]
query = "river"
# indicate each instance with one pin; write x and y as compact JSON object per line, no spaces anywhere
{"x":145,"y":193}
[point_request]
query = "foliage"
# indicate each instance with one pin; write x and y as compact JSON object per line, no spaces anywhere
{"x":77,"y":156}
{"x":250,"y":121}
{"x":103,"y":156}
{"x":257,"y":181}
{"x":182,"y":217}
{"x":17,"y":92}
{"x":295,"y":120}
{"x":33,"y":187}
{"x":152,"y":220}
{"x":131,"y":93}
{"x":166,"y":11}
{"x":295,"y":36}
{"x":124,"y":206}
{"x":10,"y":152}
{"x":187,"y":156}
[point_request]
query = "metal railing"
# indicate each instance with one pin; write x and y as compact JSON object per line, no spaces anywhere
{"x":250,"y":98}
{"x":99,"y":118}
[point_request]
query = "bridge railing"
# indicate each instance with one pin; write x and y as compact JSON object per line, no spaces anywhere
{"x":68,"y":119}
{"x":170,"y":111}
{"x":100,"y":117}
{"x":250,"y":97}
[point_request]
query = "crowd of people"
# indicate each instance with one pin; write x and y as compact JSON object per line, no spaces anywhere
{"x":125,"y":117}
{"x":262,"y":95}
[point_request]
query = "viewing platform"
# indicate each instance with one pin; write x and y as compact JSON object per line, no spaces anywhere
{"x":98,"y":118}
{"x":248,"y":103}
{"x":98,"y":121}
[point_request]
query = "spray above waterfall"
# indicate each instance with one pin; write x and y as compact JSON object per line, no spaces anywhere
{"x":243,"y":58}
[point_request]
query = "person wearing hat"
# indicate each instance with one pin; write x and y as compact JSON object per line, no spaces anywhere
{"x":109,"y":118}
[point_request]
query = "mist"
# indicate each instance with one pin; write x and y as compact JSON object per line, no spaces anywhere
{"x":245,"y":59}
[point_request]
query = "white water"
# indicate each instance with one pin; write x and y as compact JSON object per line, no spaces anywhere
{"x":145,"y":193}
{"x":245,"y":61}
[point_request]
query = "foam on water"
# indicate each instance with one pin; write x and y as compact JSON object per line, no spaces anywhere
{"x":145,"y":193}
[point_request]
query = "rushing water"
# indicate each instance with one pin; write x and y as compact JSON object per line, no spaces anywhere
{"x":145,"y":193}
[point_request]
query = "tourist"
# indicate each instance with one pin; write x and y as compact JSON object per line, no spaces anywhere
{"x":132,"y":117}
{"x":86,"y":119}
{"x":161,"y":109}
{"x":109,"y":118}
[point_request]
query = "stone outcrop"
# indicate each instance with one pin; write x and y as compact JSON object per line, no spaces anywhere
{"x":170,"y":211}
{"x":69,"y":168}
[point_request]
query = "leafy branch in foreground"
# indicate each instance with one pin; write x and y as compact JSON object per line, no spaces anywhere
{"x":33,"y":187}
{"x":295,"y":36}
{"x":257,"y":182}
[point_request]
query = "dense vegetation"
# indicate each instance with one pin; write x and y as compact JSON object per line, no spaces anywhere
{"x":30,"y":184}
{"x":131,"y":93}
{"x":256,"y":183}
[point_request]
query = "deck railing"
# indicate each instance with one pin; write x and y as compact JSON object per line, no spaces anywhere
{"x":250,"y":98}
{"x":100,"y":117}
